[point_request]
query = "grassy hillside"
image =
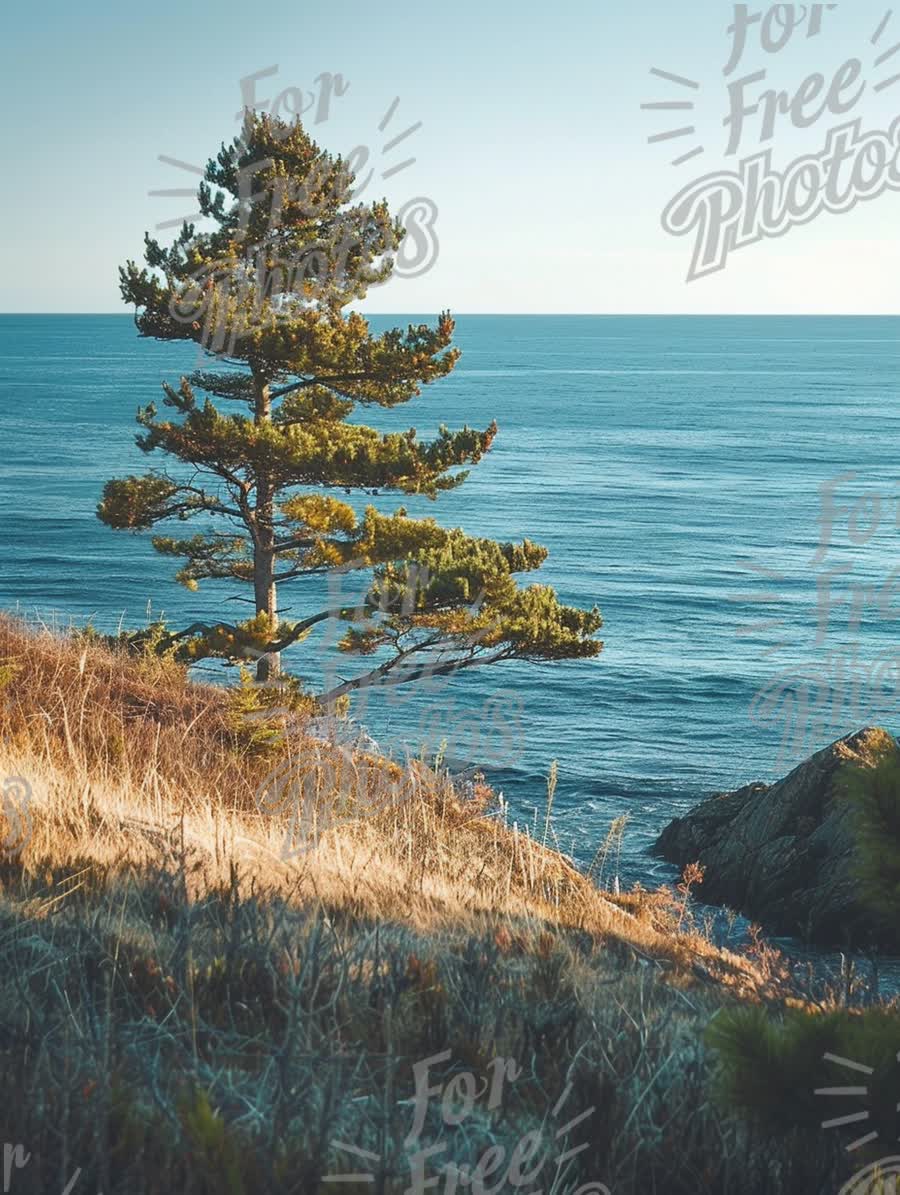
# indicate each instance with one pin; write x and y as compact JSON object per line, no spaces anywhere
{"x":184,"y":1009}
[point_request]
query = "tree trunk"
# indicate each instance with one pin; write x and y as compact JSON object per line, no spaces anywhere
{"x":268,"y":666}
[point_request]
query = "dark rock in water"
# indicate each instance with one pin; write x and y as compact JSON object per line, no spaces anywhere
{"x":783,"y":854}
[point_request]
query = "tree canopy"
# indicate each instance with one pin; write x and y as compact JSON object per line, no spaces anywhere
{"x":260,"y":437}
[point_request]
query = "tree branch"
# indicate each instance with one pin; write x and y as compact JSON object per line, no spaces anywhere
{"x":380,"y":677}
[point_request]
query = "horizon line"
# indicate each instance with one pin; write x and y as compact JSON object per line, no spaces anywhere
{"x":567,"y":314}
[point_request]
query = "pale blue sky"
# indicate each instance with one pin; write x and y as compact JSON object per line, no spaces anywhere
{"x":533,"y":144}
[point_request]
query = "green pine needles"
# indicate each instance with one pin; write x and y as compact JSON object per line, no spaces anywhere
{"x":875,"y":793}
{"x":257,"y":441}
{"x":774,"y":1069}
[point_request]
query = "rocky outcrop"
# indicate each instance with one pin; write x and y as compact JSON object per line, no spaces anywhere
{"x":783,"y":854}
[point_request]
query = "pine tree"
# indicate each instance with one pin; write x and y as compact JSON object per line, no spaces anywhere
{"x":263,"y":294}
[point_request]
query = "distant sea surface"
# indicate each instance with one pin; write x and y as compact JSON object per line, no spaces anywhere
{"x":672,"y":466}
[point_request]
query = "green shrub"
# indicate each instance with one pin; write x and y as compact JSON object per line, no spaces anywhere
{"x":770,"y":1070}
{"x":215,"y":1154}
{"x":258,"y":714}
{"x":875,"y":795}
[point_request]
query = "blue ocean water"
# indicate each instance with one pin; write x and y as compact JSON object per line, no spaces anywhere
{"x":672,"y":465}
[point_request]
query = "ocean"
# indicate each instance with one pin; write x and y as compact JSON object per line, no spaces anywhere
{"x":725,"y":489}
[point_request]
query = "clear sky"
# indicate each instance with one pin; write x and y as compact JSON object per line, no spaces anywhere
{"x":533,"y":144}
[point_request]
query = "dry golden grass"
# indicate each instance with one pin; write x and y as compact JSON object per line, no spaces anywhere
{"x":132,"y":767}
{"x":184,"y":1009}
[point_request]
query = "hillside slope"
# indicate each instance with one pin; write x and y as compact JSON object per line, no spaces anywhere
{"x":183,"y":1008}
